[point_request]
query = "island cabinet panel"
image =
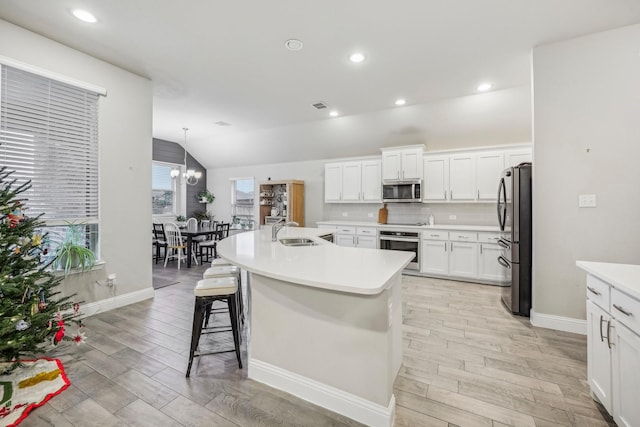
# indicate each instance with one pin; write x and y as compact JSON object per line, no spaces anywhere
{"x":598,"y":354}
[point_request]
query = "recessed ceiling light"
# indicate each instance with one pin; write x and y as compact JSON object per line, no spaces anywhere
{"x":293,"y":44}
{"x":400,"y":101}
{"x":334,"y":113}
{"x":483,"y":87}
{"x":356,"y":57}
{"x":84,"y":16}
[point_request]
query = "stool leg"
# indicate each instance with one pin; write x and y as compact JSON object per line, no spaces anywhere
{"x":233,"y":315}
{"x":240,"y":299}
{"x":196,"y":330}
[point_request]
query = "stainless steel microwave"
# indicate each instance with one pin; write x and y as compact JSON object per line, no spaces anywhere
{"x":401,"y":191}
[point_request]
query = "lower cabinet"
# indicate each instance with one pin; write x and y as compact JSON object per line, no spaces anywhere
{"x":359,"y":237}
{"x":613,"y":350}
{"x":435,"y":257}
{"x":463,"y":259}
{"x":488,"y":266}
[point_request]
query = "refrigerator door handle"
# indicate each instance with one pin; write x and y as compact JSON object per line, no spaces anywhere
{"x":503,"y":262}
{"x":502,"y":207}
{"x":503,"y":243}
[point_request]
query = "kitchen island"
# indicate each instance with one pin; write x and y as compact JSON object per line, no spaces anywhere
{"x":325,"y":321}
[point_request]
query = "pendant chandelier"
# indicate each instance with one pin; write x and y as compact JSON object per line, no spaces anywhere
{"x":191,"y":177}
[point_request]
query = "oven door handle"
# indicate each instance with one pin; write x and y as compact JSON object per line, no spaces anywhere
{"x":399,"y":239}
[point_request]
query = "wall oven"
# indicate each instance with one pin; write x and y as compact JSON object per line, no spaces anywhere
{"x":408,"y":241}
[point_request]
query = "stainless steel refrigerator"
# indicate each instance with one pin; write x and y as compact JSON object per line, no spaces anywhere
{"x":514,"y":218}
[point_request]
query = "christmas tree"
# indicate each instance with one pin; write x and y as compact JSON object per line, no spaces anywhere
{"x":30,"y":316}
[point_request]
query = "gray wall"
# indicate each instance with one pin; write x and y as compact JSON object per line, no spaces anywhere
{"x":124,"y":156}
{"x":586,"y":141}
{"x":171,"y":152}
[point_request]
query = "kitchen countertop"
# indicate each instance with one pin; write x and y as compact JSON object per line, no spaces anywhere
{"x":325,"y":266}
{"x":486,"y":228}
{"x":625,"y":277}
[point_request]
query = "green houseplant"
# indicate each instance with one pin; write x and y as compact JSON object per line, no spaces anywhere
{"x":72,"y":252}
{"x":206,"y":196}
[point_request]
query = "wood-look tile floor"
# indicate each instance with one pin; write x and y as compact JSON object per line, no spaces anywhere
{"x":466,"y":363}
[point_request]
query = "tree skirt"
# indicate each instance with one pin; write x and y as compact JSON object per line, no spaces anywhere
{"x":29,"y":387}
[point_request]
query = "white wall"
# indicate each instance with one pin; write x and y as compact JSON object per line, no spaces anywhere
{"x":586,"y":141}
{"x":125,"y":159}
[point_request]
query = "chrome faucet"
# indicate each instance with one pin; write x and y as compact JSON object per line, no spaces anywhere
{"x":275,"y":228}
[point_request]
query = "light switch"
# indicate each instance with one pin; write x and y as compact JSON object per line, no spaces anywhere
{"x":587,"y":201}
{"x":453,"y":217}
{"x":345,"y":213}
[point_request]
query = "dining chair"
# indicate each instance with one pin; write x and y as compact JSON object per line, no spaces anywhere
{"x":159,"y":239}
{"x":221,"y":232}
{"x":176,"y":246}
{"x":206,"y":247}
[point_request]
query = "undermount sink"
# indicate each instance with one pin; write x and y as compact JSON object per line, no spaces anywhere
{"x":298,"y":241}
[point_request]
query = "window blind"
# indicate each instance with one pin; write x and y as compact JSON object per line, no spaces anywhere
{"x":49,"y":135}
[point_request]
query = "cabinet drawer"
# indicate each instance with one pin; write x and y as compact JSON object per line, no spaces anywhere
{"x":367,"y":231}
{"x":626,"y":310}
{"x":435,"y":235}
{"x":488,"y":237}
{"x":598,"y":292}
{"x":346,"y":229}
{"x":463,"y":236}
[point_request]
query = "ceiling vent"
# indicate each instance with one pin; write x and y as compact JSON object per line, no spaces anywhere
{"x":221,"y":123}
{"x":319,"y":105}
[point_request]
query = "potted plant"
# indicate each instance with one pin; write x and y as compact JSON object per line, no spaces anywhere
{"x":181,"y":220}
{"x":202,"y":215}
{"x":206,"y":196}
{"x":72,"y":252}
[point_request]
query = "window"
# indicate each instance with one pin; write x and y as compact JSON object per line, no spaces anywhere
{"x":49,"y":135}
{"x":242,"y":199}
{"x":163,"y":190}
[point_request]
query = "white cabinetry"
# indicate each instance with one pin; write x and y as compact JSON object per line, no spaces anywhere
{"x":613,"y":349}
{"x":435,"y":252}
{"x":468,"y":176}
{"x":360,"y":237}
{"x":402,"y":163}
{"x":436,"y":178}
{"x":463,"y":256}
{"x":356,"y":182}
{"x":488,"y":253}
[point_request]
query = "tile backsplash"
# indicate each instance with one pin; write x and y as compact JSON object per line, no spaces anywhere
{"x":407,"y":213}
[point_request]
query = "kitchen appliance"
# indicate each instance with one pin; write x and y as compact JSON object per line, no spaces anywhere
{"x":514,"y":218}
{"x":401,"y":191}
{"x":408,"y":241}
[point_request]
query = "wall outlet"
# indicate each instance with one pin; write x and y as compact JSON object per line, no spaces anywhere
{"x":370,"y":214}
{"x":453,"y":217}
{"x":587,"y":201}
{"x":111,"y":279}
{"x":345,"y":213}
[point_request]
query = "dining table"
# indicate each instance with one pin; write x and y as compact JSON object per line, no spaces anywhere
{"x":190,"y":234}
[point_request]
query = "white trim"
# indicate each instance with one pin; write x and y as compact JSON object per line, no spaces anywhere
{"x":560,"y":323}
{"x":117,"y":301}
{"x":52,"y":75}
{"x":347,"y":404}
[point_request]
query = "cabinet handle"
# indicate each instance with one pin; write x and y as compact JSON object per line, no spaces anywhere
{"x":622,"y":310}
{"x":451,"y":243}
{"x":480,"y":248}
{"x":601,"y":336}
{"x":463,"y":237}
{"x":340,"y":196}
{"x":445,"y":194}
{"x":609,"y":333}
{"x":354,"y":240}
{"x":445,"y":246}
{"x":451,"y":194}
{"x":434,"y":235}
{"x":593,"y":291}
{"x":478,"y":198}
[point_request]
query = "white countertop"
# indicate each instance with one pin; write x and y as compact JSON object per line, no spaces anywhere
{"x":625,"y":277}
{"x":487,"y":228}
{"x":325,"y":266}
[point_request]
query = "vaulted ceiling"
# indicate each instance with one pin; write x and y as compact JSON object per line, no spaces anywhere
{"x":226,"y":61}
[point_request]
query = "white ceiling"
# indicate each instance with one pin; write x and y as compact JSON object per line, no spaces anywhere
{"x":225,"y":61}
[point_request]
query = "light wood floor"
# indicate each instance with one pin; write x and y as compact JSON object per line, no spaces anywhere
{"x":466,"y":363}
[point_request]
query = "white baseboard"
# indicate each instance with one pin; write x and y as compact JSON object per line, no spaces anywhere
{"x":551,"y":321}
{"x":341,"y":402}
{"x":107,"y":304}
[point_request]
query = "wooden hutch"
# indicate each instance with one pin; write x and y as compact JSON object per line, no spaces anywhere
{"x":282,"y":199}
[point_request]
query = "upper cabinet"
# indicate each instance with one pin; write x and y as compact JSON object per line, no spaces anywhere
{"x":357,"y":182}
{"x":402,"y":163}
{"x":468,"y":175}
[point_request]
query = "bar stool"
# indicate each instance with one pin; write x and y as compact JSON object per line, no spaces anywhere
{"x":224,"y":271}
{"x":206,"y":292}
